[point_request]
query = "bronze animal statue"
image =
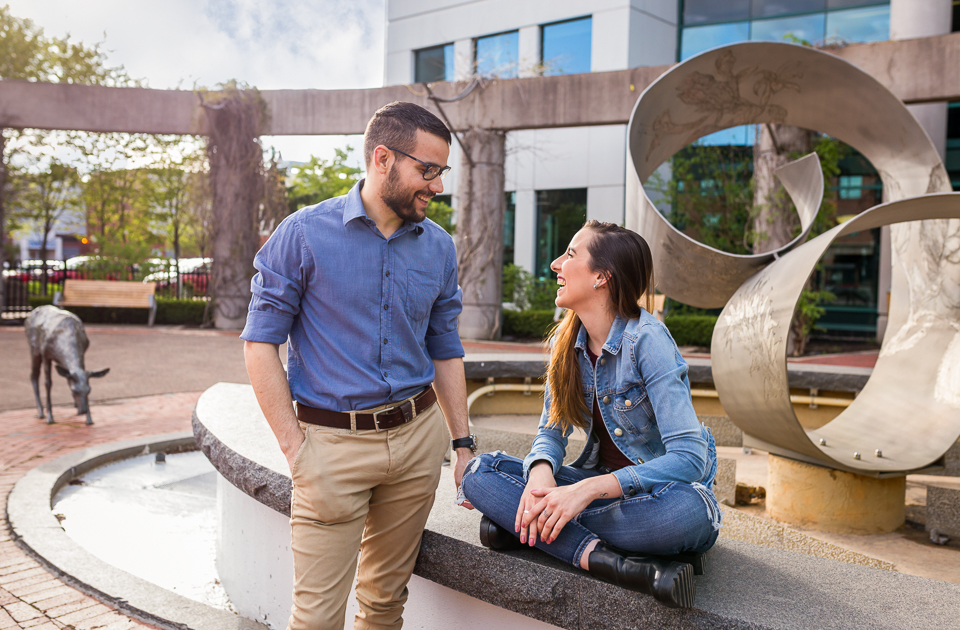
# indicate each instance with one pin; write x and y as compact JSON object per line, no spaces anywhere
{"x":57,"y":336}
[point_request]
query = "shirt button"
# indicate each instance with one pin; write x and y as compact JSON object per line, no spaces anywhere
{"x":385,"y":341}
{"x":603,"y":361}
{"x":606,"y":399}
{"x":386,"y":307}
{"x":388,"y":274}
{"x":627,"y":403}
{"x":385,"y":375}
{"x":618,"y":432}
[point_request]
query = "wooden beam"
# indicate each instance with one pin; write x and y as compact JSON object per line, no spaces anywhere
{"x":916,"y":70}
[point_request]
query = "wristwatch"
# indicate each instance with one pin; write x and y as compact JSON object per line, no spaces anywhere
{"x":467,"y":442}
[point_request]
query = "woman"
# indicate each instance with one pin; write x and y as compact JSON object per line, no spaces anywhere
{"x":643,"y":483}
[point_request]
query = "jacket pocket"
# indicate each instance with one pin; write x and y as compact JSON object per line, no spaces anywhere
{"x":633,"y":409}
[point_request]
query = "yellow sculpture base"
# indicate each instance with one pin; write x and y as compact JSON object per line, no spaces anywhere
{"x":833,"y":501}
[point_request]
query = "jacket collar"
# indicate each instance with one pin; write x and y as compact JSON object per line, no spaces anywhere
{"x":614,"y":337}
{"x":353,"y":209}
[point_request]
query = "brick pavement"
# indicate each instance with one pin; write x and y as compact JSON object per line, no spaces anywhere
{"x":31,"y":596}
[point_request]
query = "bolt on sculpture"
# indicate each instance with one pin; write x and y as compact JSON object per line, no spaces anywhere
{"x":57,"y":336}
{"x":908,"y":414}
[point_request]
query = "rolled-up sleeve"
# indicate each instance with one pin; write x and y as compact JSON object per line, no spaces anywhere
{"x":443,"y":338}
{"x":282,"y":266}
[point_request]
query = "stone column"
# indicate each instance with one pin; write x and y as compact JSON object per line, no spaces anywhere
{"x":236,"y":178}
{"x":479,"y":235}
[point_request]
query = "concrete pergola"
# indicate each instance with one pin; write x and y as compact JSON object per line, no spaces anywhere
{"x":923,"y":70}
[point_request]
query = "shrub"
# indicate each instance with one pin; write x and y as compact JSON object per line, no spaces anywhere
{"x":529,"y":324}
{"x":691,"y":330}
{"x":525,"y":291}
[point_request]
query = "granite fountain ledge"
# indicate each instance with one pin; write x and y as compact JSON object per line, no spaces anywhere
{"x":746,"y":586}
{"x":832,"y":378}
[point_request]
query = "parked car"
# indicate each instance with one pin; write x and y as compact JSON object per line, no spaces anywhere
{"x":195,"y":273}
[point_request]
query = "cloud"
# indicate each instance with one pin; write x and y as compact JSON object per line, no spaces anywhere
{"x":325,"y":44}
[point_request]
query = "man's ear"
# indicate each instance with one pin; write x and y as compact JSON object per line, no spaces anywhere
{"x":381,"y":159}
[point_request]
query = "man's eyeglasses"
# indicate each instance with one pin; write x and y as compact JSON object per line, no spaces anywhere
{"x":431,"y":171}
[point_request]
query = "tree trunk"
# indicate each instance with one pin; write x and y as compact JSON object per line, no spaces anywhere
{"x":775,"y":221}
{"x":479,"y":235}
{"x":3,"y":221}
{"x":236,"y":167}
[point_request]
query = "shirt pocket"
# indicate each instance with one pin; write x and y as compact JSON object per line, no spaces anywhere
{"x":422,"y":290}
{"x":633,"y":409}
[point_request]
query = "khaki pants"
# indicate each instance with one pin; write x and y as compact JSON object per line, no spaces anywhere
{"x":366,"y":491}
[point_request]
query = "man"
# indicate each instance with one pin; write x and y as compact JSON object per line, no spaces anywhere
{"x":366,"y":289}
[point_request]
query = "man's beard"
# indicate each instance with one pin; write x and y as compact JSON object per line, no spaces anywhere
{"x":403,"y":204}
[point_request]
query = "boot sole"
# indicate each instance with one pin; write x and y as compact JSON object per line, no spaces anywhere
{"x":675,"y":587}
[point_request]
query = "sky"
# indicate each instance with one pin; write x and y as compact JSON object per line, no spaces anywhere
{"x":268,"y":44}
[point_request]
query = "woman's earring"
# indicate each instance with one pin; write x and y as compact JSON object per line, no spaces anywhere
{"x":596,"y":285}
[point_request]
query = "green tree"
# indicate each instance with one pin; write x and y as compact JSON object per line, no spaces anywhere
{"x":441,"y":214}
{"x":321,"y":179}
{"x":44,"y":199}
{"x":26,"y":53}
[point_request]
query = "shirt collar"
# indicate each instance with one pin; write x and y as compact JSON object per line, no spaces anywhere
{"x":353,"y":209}
{"x":614,"y":337}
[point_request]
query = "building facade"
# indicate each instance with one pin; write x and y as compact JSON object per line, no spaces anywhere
{"x":557,"y":178}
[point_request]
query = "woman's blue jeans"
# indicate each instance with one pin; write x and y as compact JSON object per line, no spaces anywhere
{"x":674,"y":517}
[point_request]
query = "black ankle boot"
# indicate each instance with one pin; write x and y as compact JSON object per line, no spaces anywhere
{"x":492,"y":536}
{"x":670,"y":583}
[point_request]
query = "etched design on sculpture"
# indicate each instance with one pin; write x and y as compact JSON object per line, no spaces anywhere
{"x":929,"y":254}
{"x":750,"y":323}
{"x":719,"y":98}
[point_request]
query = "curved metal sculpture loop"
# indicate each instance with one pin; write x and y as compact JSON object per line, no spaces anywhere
{"x":908,"y":414}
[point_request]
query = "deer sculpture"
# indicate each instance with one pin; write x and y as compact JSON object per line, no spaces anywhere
{"x":57,"y":336}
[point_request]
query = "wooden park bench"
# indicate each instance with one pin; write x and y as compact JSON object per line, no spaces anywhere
{"x":109,"y":293}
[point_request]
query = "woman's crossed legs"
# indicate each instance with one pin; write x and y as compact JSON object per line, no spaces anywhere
{"x":671,"y":519}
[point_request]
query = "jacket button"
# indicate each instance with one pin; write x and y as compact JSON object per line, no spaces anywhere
{"x":627,"y":403}
{"x":618,"y":432}
{"x":603,"y":361}
{"x":632,"y":492}
{"x":639,"y":461}
{"x":606,"y":400}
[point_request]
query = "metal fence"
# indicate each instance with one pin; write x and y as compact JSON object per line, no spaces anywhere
{"x":26,"y":283}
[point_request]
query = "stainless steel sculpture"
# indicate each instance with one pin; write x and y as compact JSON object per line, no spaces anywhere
{"x":56,"y":335}
{"x":908,"y":415}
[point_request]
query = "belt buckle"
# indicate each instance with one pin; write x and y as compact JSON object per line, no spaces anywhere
{"x":376,"y":423}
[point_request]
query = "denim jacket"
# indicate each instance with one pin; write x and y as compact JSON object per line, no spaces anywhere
{"x":644,"y":397}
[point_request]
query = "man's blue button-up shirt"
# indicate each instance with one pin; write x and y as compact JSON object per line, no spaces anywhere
{"x":365,"y":315}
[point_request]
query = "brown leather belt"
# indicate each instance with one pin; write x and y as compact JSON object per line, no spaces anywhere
{"x":365,"y":421}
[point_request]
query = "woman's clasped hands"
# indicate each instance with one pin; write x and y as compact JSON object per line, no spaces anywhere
{"x":545,"y":509}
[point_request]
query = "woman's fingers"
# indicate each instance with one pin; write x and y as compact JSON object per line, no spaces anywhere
{"x":554,"y":526}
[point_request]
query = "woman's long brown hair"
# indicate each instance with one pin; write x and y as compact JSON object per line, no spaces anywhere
{"x":624,"y":258}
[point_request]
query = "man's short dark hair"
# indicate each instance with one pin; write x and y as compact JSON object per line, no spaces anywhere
{"x":396,"y":125}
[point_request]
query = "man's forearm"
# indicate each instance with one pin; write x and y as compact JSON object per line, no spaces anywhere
{"x":269,"y":381}
{"x":451,"y":389}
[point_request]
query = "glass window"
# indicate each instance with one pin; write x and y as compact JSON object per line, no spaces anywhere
{"x":509,"y":226}
{"x":868,"y":24}
{"x":434,"y":64}
{"x":700,"y":38}
{"x":743,"y":135}
{"x":953,"y":121}
{"x":846,"y":4}
{"x":560,"y":213}
{"x":709,"y":11}
{"x":497,"y":55}
{"x":565,"y":47}
{"x":850,"y":186}
{"x":773,"y":8}
{"x":809,"y":28}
